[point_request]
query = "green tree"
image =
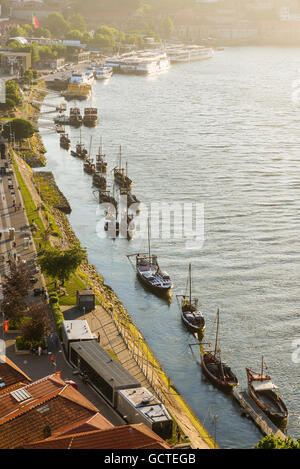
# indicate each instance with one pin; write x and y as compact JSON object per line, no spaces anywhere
{"x":17,"y":31}
{"x":56,"y":24}
{"x":61,"y":264}
{"x":21,"y":128}
{"x":166,"y":28}
{"x":14,"y":306}
{"x":87,"y":38}
{"x":28,"y":30}
{"x":37,"y":326}
{"x":18,"y":279}
{"x":13,"y":92}
{"x":77,"y":22}
{"x":75,"y":35}
{"x":103,"y":40}
{"x":273,"y":442}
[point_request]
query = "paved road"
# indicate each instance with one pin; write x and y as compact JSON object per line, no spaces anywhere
{"x":13,"y":215}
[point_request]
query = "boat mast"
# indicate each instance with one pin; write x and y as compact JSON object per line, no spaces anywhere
{"x":90,"y":147}
{"x":217,"y":333}
{"x":149,"y":239}
{"x":190,"y":275}
{"x":262,"y":366}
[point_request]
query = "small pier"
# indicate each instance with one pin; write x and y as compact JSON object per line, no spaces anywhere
{"x":252,"y":410}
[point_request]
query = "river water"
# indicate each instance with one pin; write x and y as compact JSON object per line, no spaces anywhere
{"x":223,"y":133}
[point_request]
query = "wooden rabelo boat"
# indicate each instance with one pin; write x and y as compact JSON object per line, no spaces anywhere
{"x":120,"y":174}
{"x":81,"y":151}
{"x":99,"y":180}
{"x":90,"y":117}
{"x":263,"y":391}
{"x":149,"y":272}
{"x":218,"y":372}
{"x":65,"y":142}
{"x":75,"y":117}
{"x":192,"y":318}
{"x":101,"y":164}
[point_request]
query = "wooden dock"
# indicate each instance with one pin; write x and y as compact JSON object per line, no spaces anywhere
{"x":263,"y":422}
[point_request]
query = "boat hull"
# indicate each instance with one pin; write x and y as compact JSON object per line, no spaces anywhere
{"x":225,"y":386}
{"x":158,"y":290}
{"x":277,"y":419}
{"x":191,"y":327}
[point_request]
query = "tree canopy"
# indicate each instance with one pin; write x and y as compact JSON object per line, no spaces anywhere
{"x":61,"y":264}
{"x":273,"y":442}
{"x":20,"y":127}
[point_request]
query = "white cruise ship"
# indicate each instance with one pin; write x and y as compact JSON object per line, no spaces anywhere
{"x":82,"y":78}
{"x":103,"y":73}
{"x":140,"y":63}
{"x":189,"y":53}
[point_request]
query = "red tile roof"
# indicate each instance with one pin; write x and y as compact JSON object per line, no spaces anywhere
{"x":11,"y":375}
{"x":53,"y":404}
{"x":125,"y":437}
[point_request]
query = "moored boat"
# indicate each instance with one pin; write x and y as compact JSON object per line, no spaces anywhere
{"x":263,"y":391}
{"x":217,"y":371}
{"x":75,"y":117}
{"x":192,"y":318}
{"x":99,"y":180}
{"x":149,"y":272}
{"x":90,"y":118}
{"x":120,"y":174}
{"x":103,"y":73}
{"x":101,"y":164}
{"x":64,"y":141}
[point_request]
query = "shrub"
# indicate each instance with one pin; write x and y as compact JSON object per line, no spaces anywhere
{"x":57,"y":316}
{"x":23,"y":344}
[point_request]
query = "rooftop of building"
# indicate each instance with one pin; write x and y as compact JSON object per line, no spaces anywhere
{"x":45,"y":408}
{"x":11,"y":376}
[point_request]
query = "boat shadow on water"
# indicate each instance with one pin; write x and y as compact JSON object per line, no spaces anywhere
{"x":166,"y":297}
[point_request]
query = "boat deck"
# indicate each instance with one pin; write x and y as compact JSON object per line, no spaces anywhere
{"x":266,"y":426}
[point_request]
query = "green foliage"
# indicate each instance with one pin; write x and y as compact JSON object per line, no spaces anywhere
{"x":56,"y":24}
{"x":57,"y":316}
{"x":273,"y":442}
{"x":77,"y":22}
{"x":20,"y":127}
{"x":102,"y":40}
{"x":24,"y":344}
{"x":32,"y":48}
{"x":29,"y":76}
{"x":61,"y":264}
{"x":13,"y":93}
{"x":14,"y":306}
{"x":74,"y":35}
{"x":16,"y":31}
